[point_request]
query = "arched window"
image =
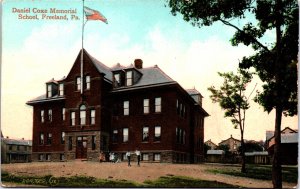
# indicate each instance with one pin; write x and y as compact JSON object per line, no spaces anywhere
{"x":82,"y":115}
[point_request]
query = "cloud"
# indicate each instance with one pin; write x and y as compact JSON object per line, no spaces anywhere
{"x":48,"y":53}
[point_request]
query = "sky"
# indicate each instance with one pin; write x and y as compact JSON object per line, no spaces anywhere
{"x":35,"y":51}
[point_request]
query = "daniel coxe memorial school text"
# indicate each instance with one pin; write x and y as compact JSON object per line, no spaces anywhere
{"x":46,"y":14}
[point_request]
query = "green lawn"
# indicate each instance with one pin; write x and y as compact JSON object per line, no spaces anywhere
{"x":262,"y":172}
{"x":83,"y":181}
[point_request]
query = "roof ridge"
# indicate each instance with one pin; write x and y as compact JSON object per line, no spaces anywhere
{"x":95,"y":59}
{"x":155,"y":66}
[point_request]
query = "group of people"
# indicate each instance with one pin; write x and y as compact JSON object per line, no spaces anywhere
{"x":114,"y":158}
{"x":128,"y":156}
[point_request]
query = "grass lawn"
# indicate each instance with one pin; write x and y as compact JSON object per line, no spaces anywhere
{"x":262,"y":172}
{"x":84,"y":182}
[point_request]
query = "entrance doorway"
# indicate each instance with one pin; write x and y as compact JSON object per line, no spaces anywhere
{"x":81,"y":147}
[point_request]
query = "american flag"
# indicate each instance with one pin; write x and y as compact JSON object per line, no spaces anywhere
{"x":94,"y":15}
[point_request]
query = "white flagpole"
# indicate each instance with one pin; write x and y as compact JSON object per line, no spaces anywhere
{"x":81,"y":60}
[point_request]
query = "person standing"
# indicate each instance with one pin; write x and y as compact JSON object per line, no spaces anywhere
{"x":128,"y":157}
{"x":138,"y":153}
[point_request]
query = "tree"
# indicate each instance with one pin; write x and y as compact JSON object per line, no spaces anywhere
{"x":223,"y":147}
{"x":275,"y":62}
{"x":252,"y":146}
{"x":231,"y":97}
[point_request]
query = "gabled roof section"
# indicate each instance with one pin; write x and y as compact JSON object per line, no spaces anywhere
{"x":152,"y":76}
{"x":43,"y":98}
{"x":17,"y":142}
{"x":52,"y":81}
{"x":102,"y":68}
{"x":118,"y":67}
{"x":193,"y":92}
{"x":231,"y":138}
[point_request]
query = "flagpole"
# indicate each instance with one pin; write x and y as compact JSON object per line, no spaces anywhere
{"x":81,"y":62}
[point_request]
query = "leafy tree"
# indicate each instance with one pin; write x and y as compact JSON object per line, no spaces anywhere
{"x":275,"y":62}
{"x":251,"y":146}
{"x":223,"y":147}
{"x":231,"y":97}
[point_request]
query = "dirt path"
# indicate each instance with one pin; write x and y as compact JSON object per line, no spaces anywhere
{"x":147,"y":171}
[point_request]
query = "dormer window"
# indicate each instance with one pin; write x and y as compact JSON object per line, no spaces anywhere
{"x":61,"y":89}
{"x":49,"y":91}
{"x":117,"y":79}
{"x":128,"y":78}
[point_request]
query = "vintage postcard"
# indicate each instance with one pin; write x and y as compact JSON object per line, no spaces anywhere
{"x":129,"y":93}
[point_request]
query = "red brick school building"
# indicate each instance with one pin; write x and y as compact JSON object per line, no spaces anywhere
{"x":114,"y":110}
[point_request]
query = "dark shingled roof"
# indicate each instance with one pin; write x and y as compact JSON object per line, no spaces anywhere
{"x":193,"y":92}
{"x":102,"y":68}
{"x":17,"y":142}
{"x":151,"y":76}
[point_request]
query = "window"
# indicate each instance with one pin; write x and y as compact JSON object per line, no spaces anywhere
{"x":156,"y":157}
{"x":48,"y":157}
{"x":70,"y":143}
{"x":180,"y":136}
{"x":72,"y":118}
{"x":50,"y":115}
{"x":157,"y":133}
{"x":146,"y":106}
{"x":41,"y":138}
{"x":126,"y":107}
{"x":78,"y":83}
{"x":49,"y":139}
{"x":115,"y":135}
{"x":124,"y":157}
{"x":128,"y":78}
{"x":183,"y":136}
{"x":63,"y":112}
{"x":62,"y":157}
{"x":10,"y":147}
{"x":82,"y":115}
{"x":87,"y":82}
{"x":18,"y":147}
{"x":178,"y":105}
{"x":145,"y":134}
{"x":63,"y":137}
{"x":125,"y":134}
{"x":93,"y":142}
{"x":61,"y":89}
{"x":49,"y":91}
{"x":41,"y":157}
{"x":177,"y":135}
{"x":93,"y":117}
{"x":158,"y":104}
{"x":117,"y":80}
{"x":145,"y":157}
{"x":42,"y":116}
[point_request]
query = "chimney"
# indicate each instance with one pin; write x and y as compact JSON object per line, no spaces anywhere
{"x":22,"y":138}
{"x":138,"y":63}
{"x":7,"y":137}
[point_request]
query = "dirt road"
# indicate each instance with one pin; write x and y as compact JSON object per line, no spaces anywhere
{"x":147,"y":171}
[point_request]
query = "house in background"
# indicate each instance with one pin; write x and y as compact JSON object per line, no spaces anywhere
{"x":257,"y":157}
{"x":289,"y":146}
{"x":232,"y":143}
{"x":15,"y":151}
{"x":212,"y":145}
{"x":215,"y":156}
{"x":114,"y":110}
